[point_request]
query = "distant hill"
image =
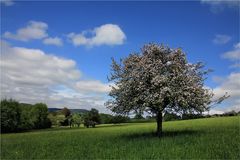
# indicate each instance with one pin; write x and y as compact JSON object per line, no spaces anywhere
{"x":25,"y":104}
{"x":53,"y":109}
{"x":72,"y":110}
{"x":79,"y":110}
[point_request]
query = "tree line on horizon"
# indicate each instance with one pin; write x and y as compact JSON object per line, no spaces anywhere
{"x":17,"y":117}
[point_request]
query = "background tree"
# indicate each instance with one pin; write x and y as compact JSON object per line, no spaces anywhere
{"x":67,"y":113}
{"x":171,"y":116}
{"x":120,"y":119}
{"x":40,"y":112}
{"x":92,"y":118}
{"x":17,"y":116}
{"x":26,"y":117}
{"x":10,"y":115}
{"x":138,"y":116}
{"x":94,"y":115}
{"x":60,"y":118}
{"x":106,"y":118}
{"x":53,"y":118}
{"x":156,"y":80}
{"x":77,"y":119}
{"x":231,"y":113}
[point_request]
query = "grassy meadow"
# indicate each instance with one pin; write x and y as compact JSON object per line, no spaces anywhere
{"x":209,"y":138}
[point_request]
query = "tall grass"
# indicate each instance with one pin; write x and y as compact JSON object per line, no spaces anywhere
{"x":209,"y":138}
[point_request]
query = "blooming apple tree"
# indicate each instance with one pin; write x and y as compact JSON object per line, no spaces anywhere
{"x":156,"y":80}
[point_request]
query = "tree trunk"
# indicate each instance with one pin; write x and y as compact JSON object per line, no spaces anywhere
{"x":159,"y":124}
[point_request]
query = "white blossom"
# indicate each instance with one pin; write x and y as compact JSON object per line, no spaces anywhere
{"x":158,"y":79}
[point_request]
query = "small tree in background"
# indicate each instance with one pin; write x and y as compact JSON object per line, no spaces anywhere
{"x":40,"y":112}
{"x":94,"y":115}
{"x":27,"y":116}
{"x":106,"y":118}
{"x":66,"y":112}
{"x":158,"y":79}
{"x":53,"y":118}
{"x":77,"y":119}
{"x":92,"y":118}
{"x":10,"y":115}
{"x":120,"y":119}
{"x":138,"y":116}
{"x":171,"y":116}
{"x":60,"y":119}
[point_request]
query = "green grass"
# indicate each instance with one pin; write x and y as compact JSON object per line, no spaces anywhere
{"x":210,"y":138}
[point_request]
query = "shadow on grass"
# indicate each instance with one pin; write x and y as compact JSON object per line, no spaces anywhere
{"x":164,"y":134}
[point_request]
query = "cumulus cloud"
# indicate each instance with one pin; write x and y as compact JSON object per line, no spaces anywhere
{"x":53,"y":41}
{"x":233,"y":55}
{"x":7,"y":2}
{"x":33,"y":30}
{"x":213,"y":111}
{"x":34,"y":67}
{"x":108,"y":34}
{"x":94,"y":86}
{"x":221,"y":39}
{"x":231,"y":85}
{"x":217,"y":6}
{"x":31,"y":76}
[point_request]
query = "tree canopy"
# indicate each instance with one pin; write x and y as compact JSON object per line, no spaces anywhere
{"x":92,"y":118}
{"x":66,"y":112}
{"x":156,"y":80}
{"x":17,"y":116}
{"x":77,"y":119}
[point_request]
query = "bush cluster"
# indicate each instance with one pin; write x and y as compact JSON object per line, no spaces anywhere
{"x":17,"y":116}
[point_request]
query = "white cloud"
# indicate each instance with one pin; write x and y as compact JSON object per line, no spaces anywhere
{"x":53,"y":41}
{"x":33,"y":30}
{"x":94,"y":86}
{"x":237,"y":46}
{"x":213,"y":111}
{"x":231,"y":85}
{"x":31,"y":76}
{"x":108,"y":34}
{"x":7,"y":2}
{"x":233,"y":55}
{"x":221,"y":39}
{"x":217,"y":6}
{"x":33,"y":66}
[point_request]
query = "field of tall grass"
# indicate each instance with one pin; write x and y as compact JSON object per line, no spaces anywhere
{"x":209,"y":138}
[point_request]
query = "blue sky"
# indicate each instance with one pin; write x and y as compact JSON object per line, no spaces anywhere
{"x":205,"y":30}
